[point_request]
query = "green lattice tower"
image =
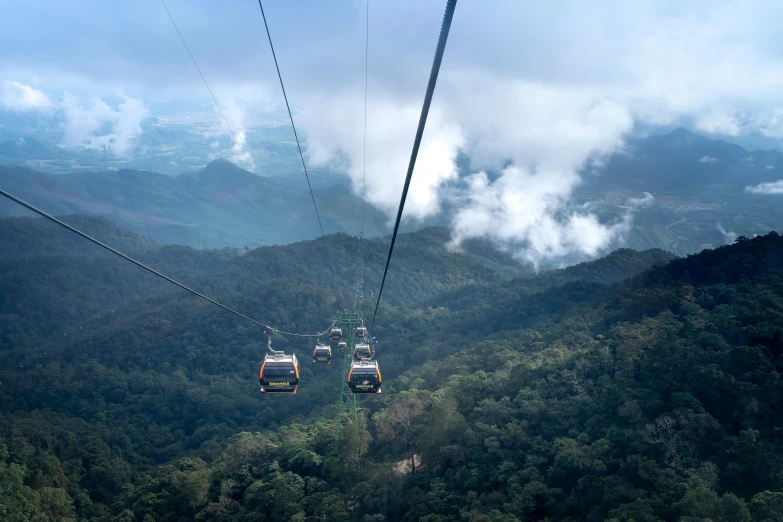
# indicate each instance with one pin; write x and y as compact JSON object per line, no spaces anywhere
{"x":346,"y":409}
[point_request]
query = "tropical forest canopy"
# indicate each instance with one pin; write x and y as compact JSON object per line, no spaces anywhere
{"x":562,"y":219}
{"x":634,"y":387}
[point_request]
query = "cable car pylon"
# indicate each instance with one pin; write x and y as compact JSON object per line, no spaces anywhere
{"x":346,"y":407}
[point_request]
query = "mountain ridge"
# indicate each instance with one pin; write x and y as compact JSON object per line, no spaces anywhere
{"x":220,"y":205}
{"x":557,"y":404}
{"x":698,"y":186}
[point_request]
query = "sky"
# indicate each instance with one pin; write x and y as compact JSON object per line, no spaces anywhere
{"x":531,"y":92}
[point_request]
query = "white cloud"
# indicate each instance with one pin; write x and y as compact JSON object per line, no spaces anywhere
{"x":773,"y":187}
{"x":598,"y":68}
{"x":549,"y":118}
{"x":729,"y":237}
{"x":236,"y":116}
{"x":17,"y":97}
{"x":527,"y":212}
{"x":334,"y":129}
{"x":719,"y":121}
{"x":769,"y":167}
{"x":643,"y":201}
{"x":86,"y":123}
{"x":546,"y":132}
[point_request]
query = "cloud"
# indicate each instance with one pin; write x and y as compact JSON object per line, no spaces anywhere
{"x":643,"y":201}
{"x":334,"y":129}
{"x":243,"y":106}
{"x":599,"y":69}
{"x":769,"y":167}
{"x":237,"y":117}
{"x":527,"y":212}
{"x":17,"y":97}
{"x":89,"y":123}
{"x":770,"y":188}
{"x":94,"y":124}
{"x":729,"y":237}
{"x":526,"y":207}
{"x":719,"y":121}
{"x":547,"y":116}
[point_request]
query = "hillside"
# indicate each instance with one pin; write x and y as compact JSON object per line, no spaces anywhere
{"x":81,"y":280}
{"x":691,"y":166}
{"x":594,"y":391}
{"x":614,"y":267}
{"x":698,"y":188}
{"x":218,"y":206}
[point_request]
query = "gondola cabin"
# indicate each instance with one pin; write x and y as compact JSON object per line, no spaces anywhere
{"x":364,"y":377}
{"x":279,"y":373}
{"x":336,"y":334}
{"x":362,"y":351}
{"x":342,"y":345}
{"x":361,"y":332}
{"x":322,"y":354}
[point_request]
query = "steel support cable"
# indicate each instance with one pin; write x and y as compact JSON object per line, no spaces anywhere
{"x":360,"y":275}
{"x":301,"y":155}
{"x":250,"y":163}
{"x":145,"y":267}
{"x":444,"y":34}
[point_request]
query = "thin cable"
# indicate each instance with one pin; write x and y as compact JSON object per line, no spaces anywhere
{"x":360,"y":275}
{"x":298,"y":146}
{"x":145,"y":267}
{"x":249,"y":161}
{"x":444,"y":34}
{"x":321,"y":334}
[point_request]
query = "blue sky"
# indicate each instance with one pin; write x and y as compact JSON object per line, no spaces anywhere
{"x":533,"y":90}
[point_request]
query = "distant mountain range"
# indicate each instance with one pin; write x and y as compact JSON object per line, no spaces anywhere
{"x":698,"y":188}
{"x":684,"y":164}
{"x":220,"y":205}
{"x":697,"y":183}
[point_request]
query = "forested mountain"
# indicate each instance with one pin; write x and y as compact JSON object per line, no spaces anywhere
{"x":618,"y":390}
{"x":220,"y":205}
{"x":688,"y":165}
{"x":698,"y":188}
{"x":56,"y":280}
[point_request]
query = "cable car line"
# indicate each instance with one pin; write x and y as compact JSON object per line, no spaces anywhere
{"x":444,"y":34}
{"x":360,"y":261}
{"x":205,"y":83}
{"x":301,"y":155}
{"x":152,"y":270}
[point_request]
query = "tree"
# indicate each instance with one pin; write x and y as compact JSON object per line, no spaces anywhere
{"x":14,"y":503}
{"x":767,"y":506}
{"x":56,"y":505}
{"x":398,"y":421}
